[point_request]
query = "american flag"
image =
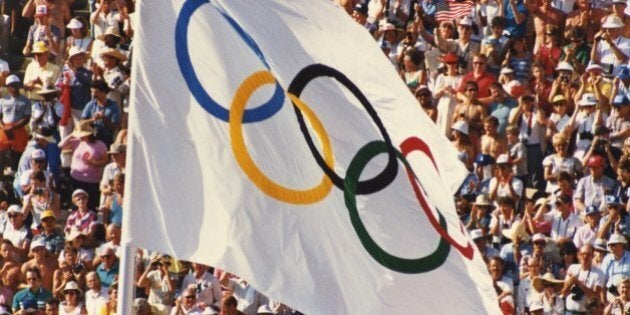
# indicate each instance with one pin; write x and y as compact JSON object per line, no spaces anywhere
{"x":448,"y":10}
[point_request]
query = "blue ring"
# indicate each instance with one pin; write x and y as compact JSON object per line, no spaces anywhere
{"x":259,"y":113}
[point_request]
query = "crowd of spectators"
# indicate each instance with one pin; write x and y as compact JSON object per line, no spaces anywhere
{"x":62,"y":173}
{"x":534,"y":95}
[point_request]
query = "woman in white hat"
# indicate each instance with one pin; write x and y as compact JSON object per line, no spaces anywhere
{"x":80,"y":37}
{"x":72,"y":304}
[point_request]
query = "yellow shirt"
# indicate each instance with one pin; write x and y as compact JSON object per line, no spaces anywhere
{"x":48,"y":75}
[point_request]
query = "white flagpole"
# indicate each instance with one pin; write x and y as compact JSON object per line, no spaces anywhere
{"x":126,"y":283}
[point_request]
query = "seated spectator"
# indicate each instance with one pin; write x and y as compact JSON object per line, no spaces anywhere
{"x":108,"y":269}
{"x":79,"y":37}
{"x":41,"y":138}
{"x":583,"y":282}
{"x":70,"y":270}
{"x":110,"y":307}
{"x":592,"y":189}
{"x":88,"y":159}
{"x":33,"y":291}
{"x":620,"y":304}
{"x":616,"y":265}
{"x":187,"y":303}
{"x":96,"y":294}
{"x":241,"y":293}
{"x":504,"y":184}
{"x":502,"y":284}
{"x":82,"y":219}
{"x":43,"y":261}
{"x":53,"y":241}
{"x":587,"y":233}
{"x":15,"y":113}
{"x":481,"y":241}
{"x":550,"y":288}
{"x":156,"y":278}
{"x":40,"y":71}
{"x":72,"y":303}
{"x":102,"y":112}
{"x":526,"y":295}
{"x":480,"y":216}
{"x":561,"y":161}
{"x":564,"y":223}
{"x":512,"y":252}
{"x":206,"y":285}
{"x":17,"y":232}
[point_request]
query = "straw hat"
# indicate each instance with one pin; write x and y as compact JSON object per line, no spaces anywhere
{"x":48,"y":89}
{"x":83,"y":129}
{"x":516,"y":230}
{"x":110,"y":30}
{"x":114,"y":53}
{"x":548,"y":278}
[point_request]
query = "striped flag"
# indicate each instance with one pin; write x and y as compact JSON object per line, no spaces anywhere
{"x":449,"y":10}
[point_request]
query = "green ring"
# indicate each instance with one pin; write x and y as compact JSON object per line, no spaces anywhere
{"x":403,"y":265}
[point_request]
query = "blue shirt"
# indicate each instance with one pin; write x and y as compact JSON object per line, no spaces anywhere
{"x":616,"y":270}
{"x":107,"y":276}
{"x":110,"y":111}
{"x":41,"y":296}
{"x":502,"y":111}
{"x":515,"y":30}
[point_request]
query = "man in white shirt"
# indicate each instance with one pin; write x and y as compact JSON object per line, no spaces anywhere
{"x":612,"y":49}
{"x":583,"y":282}
{"x":96,"y":294}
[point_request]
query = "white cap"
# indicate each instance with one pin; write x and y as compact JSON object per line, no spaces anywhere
{"x":507,"y":70}
{"x":476,"y":234}
{"x":74,"y":24}
{"x":504,"y":159}
{"x":75,"y":50}
{"x":613,"y":21}
{"x":466,"y":21}
{"x":588,"y":99}
{"x":539,"y":237}
{"x":460,"y":126}
{"x":14,"y":209}
{"x":594,"y":66}
{"x":38,"y":242}
{"x":79,"y":191}
{"x":563,"y":65}
{"x":12,"y":79}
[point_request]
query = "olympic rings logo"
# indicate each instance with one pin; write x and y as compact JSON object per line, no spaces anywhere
{"x":237,"y":115}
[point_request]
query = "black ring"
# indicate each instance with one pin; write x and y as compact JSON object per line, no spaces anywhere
{"x":372,"y":185}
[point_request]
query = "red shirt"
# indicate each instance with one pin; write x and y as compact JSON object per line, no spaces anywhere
{"x":484,"y":83}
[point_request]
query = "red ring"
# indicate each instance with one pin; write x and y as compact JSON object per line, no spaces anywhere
{"x":415,"y":144}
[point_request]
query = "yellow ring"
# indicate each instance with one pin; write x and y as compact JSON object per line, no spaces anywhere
{"x":269,"y":187}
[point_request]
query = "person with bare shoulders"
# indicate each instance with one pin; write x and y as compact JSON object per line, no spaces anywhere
{"x":423,"y":95}
{"x":70,"y":270}
{"x":471,"y":109}
{"x":481,"y":77}
{"x":619,"y":9}
{"x":58,"y":10}
{"x":46,"y":263}
{"x":491,"y":144}
{"x":545,"y":16}
{"x":586,"y":18}
{"x":9,"y":258}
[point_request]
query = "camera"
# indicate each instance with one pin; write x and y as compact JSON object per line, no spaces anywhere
{"x":598,"y":38}
{"x":38,"y":191}
{"x":77,"y":268}
{"x":613,"y":290}
{"x":586,"y":135}
{"x":564,"y":78}
{"x":578,"y":294}
{"x":524,"y":140}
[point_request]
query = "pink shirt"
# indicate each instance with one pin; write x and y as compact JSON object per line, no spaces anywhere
{"x":79,"y":169}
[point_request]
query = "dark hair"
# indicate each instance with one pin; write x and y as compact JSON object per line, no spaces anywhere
{"x":499,"y":21}
{"x":230,"y":300}
{"x":565,"y":176}
{"x":35,"y":271}
{"x":506,"y":201}
{"x":40,"y":176}
{"x":53,"y":302}
{"x":491,"y":119}
{"x":100,"y":85}
{"x":416,"y":56}
{"x":7,"y":242}
{"x":472,"y":84}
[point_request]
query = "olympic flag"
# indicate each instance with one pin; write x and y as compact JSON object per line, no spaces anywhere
{"x":273,"y":139}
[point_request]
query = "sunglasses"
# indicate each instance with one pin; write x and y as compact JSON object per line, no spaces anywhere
{"x":190,"y":297}
{"x":478,"y":62}
{"x":13,"y":215}
{"x":471,"y":90}
{"x":107,"y":256}
{"x":80,"y":198}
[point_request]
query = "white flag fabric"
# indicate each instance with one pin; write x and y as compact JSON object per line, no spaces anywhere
{"x":274,"y":139}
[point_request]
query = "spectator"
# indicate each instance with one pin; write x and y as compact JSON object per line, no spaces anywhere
{"x":70,"y":270}
{"x":587,"y":233}
{"x":102,"y":112}
{"x":15,"y":113}
{"x":107,"y":270}
{"x":161,"y":289}
{"x":43,"y":31}
{"x":33,"y":291}
{"x":592,"y":189}
{"x":583,"y":282}
{"x":96,"y":294}
{"x":43,"y":261}
{"x":206,"y":285}
{"x":40,"y":71}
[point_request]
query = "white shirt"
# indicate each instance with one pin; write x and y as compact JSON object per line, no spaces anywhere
{"x":207,"y":286}
{"x":606,"y":55}
{"x":94,"y":299}
{"x":563,"y":228}
{"x":591,"y":278}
